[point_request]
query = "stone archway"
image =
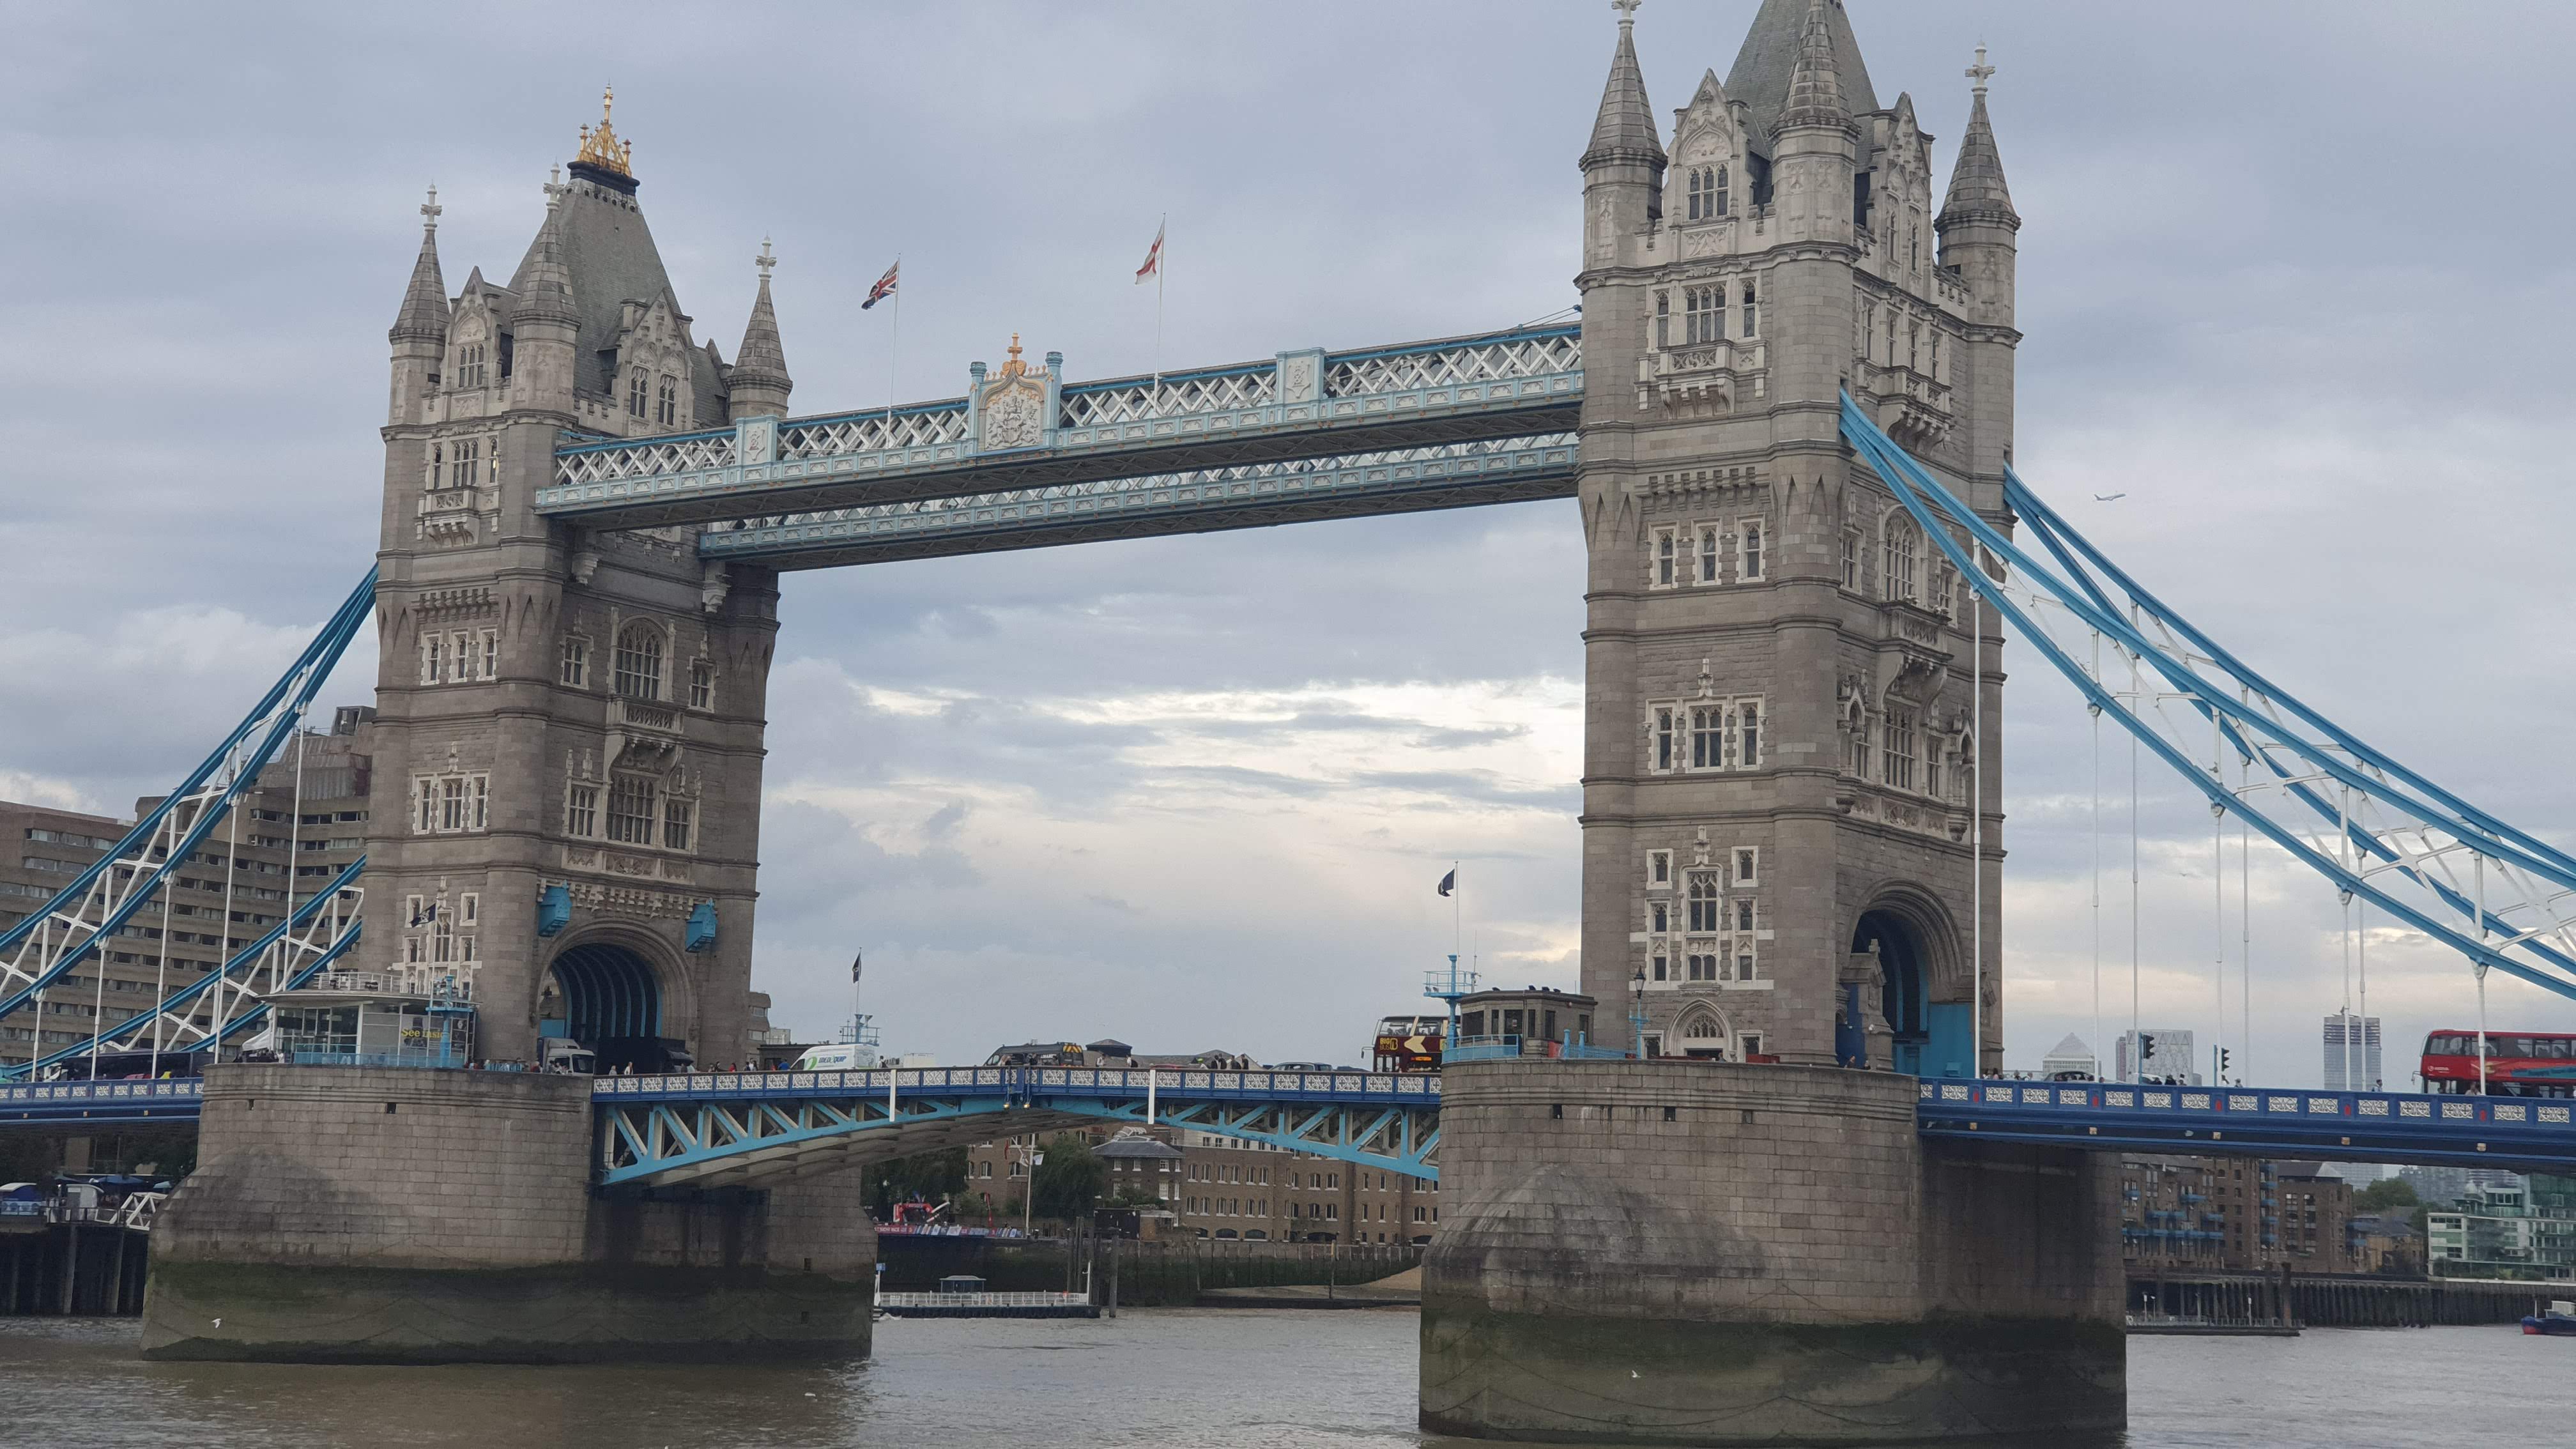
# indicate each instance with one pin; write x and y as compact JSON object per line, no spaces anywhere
{"x":601,"y":991}
{"x":1904,"y":982}
{"x":1704,"y":1031}
{"x":1923,"y":991}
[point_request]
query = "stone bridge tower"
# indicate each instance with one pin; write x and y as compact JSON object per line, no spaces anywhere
{"x":569,"y":724}
{"x":1777,"y":777}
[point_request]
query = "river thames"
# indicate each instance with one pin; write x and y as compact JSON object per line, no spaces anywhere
{"x":1222,"y":1379}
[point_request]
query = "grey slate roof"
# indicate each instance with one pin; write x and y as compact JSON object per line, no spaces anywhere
{"x":1625,"y":128}
{"x":609,"y":253}
{"x":424,"y":306}
{"x":762,"y":359}
{"x":1977,"y":182}
{"x":1768,"y":64}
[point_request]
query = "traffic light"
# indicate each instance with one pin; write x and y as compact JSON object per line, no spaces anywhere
{"x":2224,"y":1056}
{"x":2146,"y":1048}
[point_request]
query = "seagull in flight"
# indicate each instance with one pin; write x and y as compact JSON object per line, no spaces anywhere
{"x":2109,"y":497}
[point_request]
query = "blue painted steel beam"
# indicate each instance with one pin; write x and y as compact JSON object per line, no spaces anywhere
{"x":1414,"y":480}
{"x":1515,"y":383}
{"x":2522,"y":1133}
{"x":1937,"y":509}
{"x":752,"y":1127}
{"x":39,"y":1104}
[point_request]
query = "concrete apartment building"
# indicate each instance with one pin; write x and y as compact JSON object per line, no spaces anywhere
{"x":1224,"y":1189}
{"x":277,"y":849}
{"x":2521,"y":1230}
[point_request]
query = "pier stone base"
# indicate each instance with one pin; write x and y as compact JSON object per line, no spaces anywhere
{"x":1717,"y":1254}
{"x":361,"y":1214}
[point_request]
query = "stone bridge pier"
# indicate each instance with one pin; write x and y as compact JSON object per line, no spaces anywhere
{"x":401,"y":1215}
{"x":1717,"y":1253}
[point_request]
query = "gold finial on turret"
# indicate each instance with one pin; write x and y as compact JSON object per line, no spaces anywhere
{"x":600,"y":147}
{"x":1015,"y":367}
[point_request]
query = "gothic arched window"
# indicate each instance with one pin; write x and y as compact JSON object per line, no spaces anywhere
{"x":666,"y":406}
{"x":635,"y":394}
{"x":1897,"y":565}
{"x":1719,"y":190}
{"x":639,"y":661}
{"x":1703,"y":900}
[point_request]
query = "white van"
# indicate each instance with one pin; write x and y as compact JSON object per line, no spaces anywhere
{"x":840,"y":1057}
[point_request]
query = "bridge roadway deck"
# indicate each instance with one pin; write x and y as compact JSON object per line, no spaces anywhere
{"x":1236,"y":424}
{"x":766,"y":1125}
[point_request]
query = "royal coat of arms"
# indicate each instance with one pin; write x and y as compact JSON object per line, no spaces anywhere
{"x":1014,"y":406}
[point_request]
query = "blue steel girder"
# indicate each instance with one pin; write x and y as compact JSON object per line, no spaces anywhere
{"x":1310,"y":404}
{"x":2523,"y":1134}
{"x":37,"y":1104}
{"x":2410,"y":840}
{"x":752,"y":1128}
{"x":1395,"y":1140}
{"x":1409,"y":480}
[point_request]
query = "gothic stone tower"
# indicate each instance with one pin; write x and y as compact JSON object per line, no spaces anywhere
{"x":567,"y":790}
{"x":1777,"y":821}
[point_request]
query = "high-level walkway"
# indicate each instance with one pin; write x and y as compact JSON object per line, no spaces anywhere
{"x":1306,"y":435}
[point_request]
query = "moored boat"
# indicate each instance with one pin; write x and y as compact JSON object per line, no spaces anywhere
{"x":2558,"y":1322}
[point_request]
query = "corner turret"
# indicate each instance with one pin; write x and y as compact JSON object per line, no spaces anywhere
{"x":1977,"y":221}
{"x":1815,"y":144}
{"x":1623,"y":168}
{"x":419,"y":333}
{"x":545,"y":322}
{"x":758,"y":382}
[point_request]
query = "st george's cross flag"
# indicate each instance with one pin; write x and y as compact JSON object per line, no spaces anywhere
{"x":1153,"y":259}
{"x":883,"y":289}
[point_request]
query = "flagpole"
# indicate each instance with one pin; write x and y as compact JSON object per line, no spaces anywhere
{"x":894,"y":350}
{"x":1162,"y":265}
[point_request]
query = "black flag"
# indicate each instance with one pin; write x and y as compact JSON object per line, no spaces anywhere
{"x":1449,"y":882}
{"x":854,"y":966}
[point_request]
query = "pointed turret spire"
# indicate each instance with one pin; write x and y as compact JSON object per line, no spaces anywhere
{"x":544,"y":282}
{"x":1977,"y":191}
{"x":759,"y":381}
{"x":424,"y":306}
{"x":1816,"y":86}
{"x":1625,"y":129}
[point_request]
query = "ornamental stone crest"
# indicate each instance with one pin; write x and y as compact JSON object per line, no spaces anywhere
{"x":1014,"y":406}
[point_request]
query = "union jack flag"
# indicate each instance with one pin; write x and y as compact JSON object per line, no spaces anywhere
{"x":883,"y":289}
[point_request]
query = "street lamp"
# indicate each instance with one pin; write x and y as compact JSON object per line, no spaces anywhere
{"x":1637,"y":1013}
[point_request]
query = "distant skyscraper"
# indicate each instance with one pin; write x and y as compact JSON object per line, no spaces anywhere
{"x":2170,"y":1053}
{"x":2352,"y":1053}
{"x":2070,"y":1057}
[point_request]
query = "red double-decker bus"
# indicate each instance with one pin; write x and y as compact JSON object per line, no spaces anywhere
{"x":2518,"y":1063}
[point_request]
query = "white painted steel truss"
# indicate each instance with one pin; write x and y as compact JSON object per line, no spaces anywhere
{"x":226,"y":1003}
{"x":2380,"y":832}
{"x":121,"y":894}
{"x":1450,"y":475}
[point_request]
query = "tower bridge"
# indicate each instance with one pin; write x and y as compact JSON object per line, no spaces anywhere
{"x":1785,"y":418}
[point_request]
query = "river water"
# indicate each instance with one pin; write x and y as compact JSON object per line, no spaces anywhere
{"x":1172,"y":1378}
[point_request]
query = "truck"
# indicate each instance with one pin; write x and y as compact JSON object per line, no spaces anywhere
{"x":563,"y":1054}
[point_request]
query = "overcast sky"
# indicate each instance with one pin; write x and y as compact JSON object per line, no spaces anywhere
{"x":2293,"y":278}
